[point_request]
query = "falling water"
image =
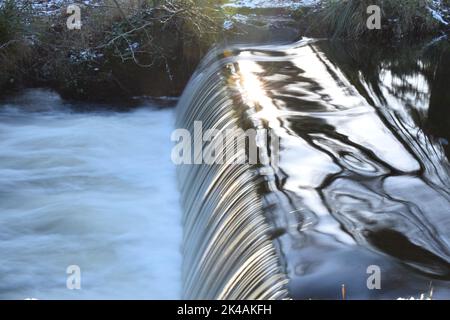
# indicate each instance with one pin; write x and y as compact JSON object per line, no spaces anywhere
{"x":228,"y":253}
{"x":362,"y":180}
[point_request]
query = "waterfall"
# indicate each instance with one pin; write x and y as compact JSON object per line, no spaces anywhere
{"x":359,"y":180}
{"x":228,"y":250}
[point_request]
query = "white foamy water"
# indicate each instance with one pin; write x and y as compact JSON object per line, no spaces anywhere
{"x":96,"y":190}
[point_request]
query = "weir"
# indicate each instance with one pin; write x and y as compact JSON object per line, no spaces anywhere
{"x":346,"y":191}
{"x":228,"y":252}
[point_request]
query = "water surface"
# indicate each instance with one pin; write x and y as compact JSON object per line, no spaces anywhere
{"x":95,"y":189}
{"x":364,"y":170}
{"x":363,"y":176}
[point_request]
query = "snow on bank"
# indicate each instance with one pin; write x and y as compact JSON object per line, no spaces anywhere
{"x":255,"y":4}
{"x":438,"y":11}
{"x":51,"y":7}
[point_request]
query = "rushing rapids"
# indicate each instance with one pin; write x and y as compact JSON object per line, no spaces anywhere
{"x":362,"y":178}
{"x":88,"y":189}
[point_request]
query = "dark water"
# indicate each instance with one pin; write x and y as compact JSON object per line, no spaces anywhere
{"x":364,"y":167}
{"x":363,"y":176}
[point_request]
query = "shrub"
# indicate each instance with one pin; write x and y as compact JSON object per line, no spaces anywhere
{"x":400,"y":18}
{"x":15,"y":21}
{"x":125,"y":48}
{"x":11,"y":24}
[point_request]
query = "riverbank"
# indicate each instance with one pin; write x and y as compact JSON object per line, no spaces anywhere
{"x":135,"y":48}
{"x":121,"y":51}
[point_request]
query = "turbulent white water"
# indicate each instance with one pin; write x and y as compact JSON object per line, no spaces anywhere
{"x":96,"y":190}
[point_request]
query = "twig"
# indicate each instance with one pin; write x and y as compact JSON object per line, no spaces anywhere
{"x":8,"y":43}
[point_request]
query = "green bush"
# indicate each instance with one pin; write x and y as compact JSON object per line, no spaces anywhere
{"x":15,"y":21}
{"x":165,"y":31}
{"x":11,"y":21}
{"x":400,"y":18}
{"x":126,"y":45}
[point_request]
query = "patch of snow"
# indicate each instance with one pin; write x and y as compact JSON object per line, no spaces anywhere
{"x":422,"y":297}
{"x":437,"y":10}
{"x":84,"y":55}
{"x":437,"y":16}
{"x":255,"y":4}
{"x":51,"y":7}
{"x":228,"y":24}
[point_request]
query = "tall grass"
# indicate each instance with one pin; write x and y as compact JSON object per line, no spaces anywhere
{"x":126,"y":44}
{"x":14,"y":50}
{"x":399,"y":18}
{"x":12,"y":21}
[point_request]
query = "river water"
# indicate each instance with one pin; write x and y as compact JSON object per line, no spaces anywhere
{"x":94,"y":189}
{"x":362,"y":183}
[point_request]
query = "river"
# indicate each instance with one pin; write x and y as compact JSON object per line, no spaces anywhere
{"x":361,"y":184}
{"x":95,"y":189}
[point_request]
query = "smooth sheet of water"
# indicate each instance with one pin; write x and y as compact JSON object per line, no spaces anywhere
{"x":94,"y":189}
{"x":363,"y":179}
{"x":365,"y":167}
{"x":364,"y":176}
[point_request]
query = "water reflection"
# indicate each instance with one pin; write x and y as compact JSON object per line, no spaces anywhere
{"x":364,"y":171}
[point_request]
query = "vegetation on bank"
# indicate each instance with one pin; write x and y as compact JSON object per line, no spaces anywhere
{"x":123,"y":49}
{"x":14,"y":50}
{"x":129,"y":48}
{"x":347,"y":19}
